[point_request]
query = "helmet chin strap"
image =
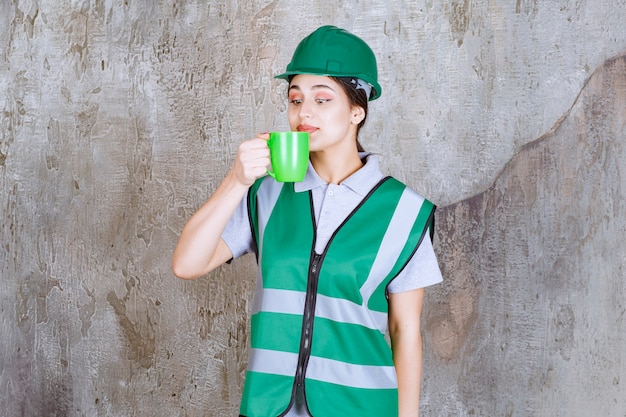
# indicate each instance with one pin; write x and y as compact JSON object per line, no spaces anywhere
{"x":362,"y":85}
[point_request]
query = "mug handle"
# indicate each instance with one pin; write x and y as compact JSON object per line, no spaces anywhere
{"x":269,"y":145}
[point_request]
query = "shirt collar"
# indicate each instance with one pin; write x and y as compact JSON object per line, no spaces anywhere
{"x":361,"y":182}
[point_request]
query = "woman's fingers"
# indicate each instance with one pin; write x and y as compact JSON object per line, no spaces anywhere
{"x":253,"y":159}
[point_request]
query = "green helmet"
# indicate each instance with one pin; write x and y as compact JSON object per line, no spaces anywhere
{"x":334,"y":52}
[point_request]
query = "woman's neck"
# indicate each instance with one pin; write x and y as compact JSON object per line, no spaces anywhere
{"x":333,"y":168}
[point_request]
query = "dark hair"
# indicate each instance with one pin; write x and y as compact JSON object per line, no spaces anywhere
{"x":357,"y":97}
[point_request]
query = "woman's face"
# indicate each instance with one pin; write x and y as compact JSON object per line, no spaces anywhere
{"x":320,"y":106}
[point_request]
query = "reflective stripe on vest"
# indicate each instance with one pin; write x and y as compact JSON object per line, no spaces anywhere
{"x":336,"y":372}
{"x":339,"y":353}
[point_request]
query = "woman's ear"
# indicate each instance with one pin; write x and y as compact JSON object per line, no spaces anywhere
{"x":358,"y":114}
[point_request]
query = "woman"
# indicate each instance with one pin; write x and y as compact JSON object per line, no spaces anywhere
{"x":344,"y":255}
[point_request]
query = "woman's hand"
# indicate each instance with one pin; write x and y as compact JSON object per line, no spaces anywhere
{"x":252,"y":160}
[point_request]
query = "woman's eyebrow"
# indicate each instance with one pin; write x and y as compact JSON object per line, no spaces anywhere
{"x":315,"y":87}
{"x":318,"y":86}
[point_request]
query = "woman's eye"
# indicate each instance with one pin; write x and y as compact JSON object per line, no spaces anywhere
{"x":319,"y":100}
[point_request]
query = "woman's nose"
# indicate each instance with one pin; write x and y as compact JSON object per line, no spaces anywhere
{"x":306,"y":110}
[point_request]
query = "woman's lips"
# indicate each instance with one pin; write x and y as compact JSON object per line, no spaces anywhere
{"x":306,"y":128}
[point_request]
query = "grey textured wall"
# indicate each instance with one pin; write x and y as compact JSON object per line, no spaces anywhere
{"x":120,"y":117}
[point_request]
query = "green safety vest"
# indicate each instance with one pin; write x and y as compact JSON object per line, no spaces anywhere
{"x":319,"y":320}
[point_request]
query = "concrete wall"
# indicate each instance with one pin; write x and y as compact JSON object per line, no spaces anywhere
{"x":119,"y":118}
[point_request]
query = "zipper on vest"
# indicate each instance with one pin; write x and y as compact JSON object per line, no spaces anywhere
{"x":308,"y":318}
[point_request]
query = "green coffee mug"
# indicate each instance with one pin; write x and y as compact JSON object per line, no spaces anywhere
{"x":289,"y":154}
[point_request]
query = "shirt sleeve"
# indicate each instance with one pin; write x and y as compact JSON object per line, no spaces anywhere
{"x":421,"y":271}
{"x":237,"y":235}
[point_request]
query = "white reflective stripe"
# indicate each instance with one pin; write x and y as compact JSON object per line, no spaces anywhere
{"x":279,"y":301}
{"x":359,"y":376}
{"x":258,"y":292}
{"x":322,"y":369}
{"x":292,"y":302}
{"x":346,"y":311}
{"x":273,"y":362}
{"x":394,"y":240}
{"x":270,"y":190}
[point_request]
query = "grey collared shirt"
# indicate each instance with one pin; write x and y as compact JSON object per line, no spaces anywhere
{"x":332,"y":204}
